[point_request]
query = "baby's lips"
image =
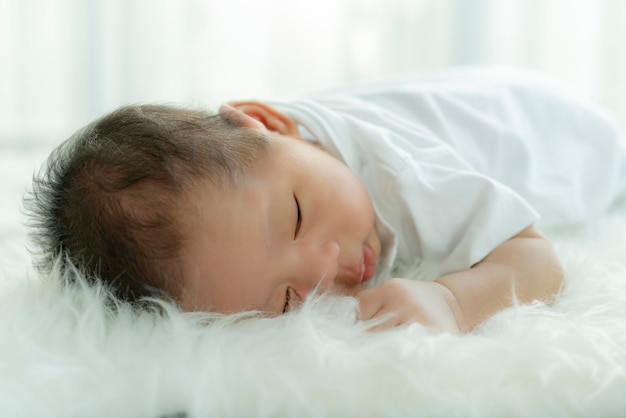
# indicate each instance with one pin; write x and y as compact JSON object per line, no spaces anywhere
{"x":369,"y":262}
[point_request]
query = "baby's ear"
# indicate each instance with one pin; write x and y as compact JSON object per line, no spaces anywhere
{"x":235,"y":117}
{"x":259,"y":115}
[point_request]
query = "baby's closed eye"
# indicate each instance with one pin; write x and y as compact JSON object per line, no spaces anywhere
{"x":298,"y":218}
{"x":288,"y":300}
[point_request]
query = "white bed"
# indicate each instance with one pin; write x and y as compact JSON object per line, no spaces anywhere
{"x":65,"y":354}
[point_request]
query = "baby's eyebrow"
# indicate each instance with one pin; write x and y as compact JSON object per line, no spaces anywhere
{"x":268,"y":217}
{"x":271,"y":202}
{"x":265,"y":203}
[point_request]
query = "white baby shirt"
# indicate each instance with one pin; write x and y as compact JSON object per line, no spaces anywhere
{"x":459,"y":162}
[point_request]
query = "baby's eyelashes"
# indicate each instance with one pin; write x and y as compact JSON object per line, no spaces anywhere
{"x":292,"y":300}
{"x":287,"y":300}
{"x":298,"y":218}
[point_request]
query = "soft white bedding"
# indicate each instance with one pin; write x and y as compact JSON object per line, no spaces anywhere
{"x":64,"y":354}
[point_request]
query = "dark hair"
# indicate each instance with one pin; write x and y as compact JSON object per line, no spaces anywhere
{"x":111,"y":198}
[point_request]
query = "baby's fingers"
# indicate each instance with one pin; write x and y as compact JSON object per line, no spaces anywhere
{"x":385,"y":320}
{"x":372,"y":307}
{"x":370,"y":303}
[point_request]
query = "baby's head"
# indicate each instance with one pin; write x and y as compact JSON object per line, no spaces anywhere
{"x":224,"y":212}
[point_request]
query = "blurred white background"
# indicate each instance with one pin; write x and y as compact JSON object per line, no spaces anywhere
{"x":65,"y":62}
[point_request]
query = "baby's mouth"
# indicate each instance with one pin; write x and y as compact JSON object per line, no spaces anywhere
{"x":364,"y":269}
{"x":368,"y":263}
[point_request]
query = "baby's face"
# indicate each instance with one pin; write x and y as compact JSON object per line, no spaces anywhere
{"x":299,"y":221}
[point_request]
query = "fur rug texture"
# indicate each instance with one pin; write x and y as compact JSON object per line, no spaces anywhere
{"x":69,"y":352}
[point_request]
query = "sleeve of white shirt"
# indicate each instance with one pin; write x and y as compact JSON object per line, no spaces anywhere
{"x":563,"y":155}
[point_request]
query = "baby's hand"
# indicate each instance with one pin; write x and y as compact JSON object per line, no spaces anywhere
{"x":428,"y":303}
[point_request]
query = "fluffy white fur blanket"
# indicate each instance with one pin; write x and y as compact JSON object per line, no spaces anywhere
{"x":66,"y":353}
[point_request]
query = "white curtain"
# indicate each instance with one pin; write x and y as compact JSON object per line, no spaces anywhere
{"x":65,"y":62}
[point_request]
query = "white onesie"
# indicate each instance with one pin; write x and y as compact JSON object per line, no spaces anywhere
{"x":459,"y":162}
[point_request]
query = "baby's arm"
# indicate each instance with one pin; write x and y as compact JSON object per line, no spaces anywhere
{"x":525,"y":264}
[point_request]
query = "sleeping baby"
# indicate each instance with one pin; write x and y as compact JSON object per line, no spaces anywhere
{"x":420,"y":197}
